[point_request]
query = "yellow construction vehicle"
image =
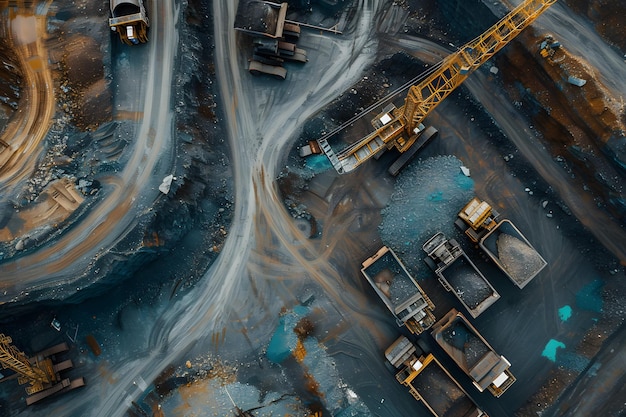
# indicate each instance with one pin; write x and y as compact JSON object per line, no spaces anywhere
{"x":480,"y":217}
{"x":501,"y":241}
{"x":402,"y":127}
{"x":40,"y":371}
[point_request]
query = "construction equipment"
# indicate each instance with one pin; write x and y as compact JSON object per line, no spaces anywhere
{"x":129,"y":20}
{"x":402,"y":127}
{"x":40,"y":371}
{"x":274,"y":38}
{"x":399,"y":291}
{"x":456,"y":272}
{"x":473,"y":354}
{"x":501,"y":241}
{"x":548,"y":48}
{"x":429,"y":382}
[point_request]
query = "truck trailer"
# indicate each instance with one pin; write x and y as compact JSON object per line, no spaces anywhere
{"x":456,"y":272}
{"x":429,"y":382}
{"x":473,"y":354}
{"x":398,"y":290}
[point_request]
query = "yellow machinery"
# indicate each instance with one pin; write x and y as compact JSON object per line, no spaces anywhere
{"x":36,"y":374}
{"x":40,"y":372}
{"x":401,"y":127}
{"x":480,"y":217}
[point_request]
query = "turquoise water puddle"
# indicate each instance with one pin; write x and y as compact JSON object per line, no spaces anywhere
{"x":284,"y":339}
{"x":565,"y":313}
{"x":318,"y":163}
{"x":550,"y":350}
{"x":590,"y":296}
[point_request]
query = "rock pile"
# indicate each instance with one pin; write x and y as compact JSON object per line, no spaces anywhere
{"x":520,"y":260}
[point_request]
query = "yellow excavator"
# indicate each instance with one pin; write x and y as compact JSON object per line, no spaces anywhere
{"x":402,"y":127}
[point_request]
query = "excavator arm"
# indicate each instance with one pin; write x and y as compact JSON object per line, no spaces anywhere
{"x":400,"y":127}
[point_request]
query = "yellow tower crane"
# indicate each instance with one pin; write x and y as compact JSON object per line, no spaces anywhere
{"x":401,"y":127}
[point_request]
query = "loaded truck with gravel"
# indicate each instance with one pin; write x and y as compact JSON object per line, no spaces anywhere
{"x":473,"y":354}
{"x":398,"y":290}
{"x":129,"y":20}
{"x":456,"y":272}
{"x":501,"y":241}
{"x":429,"y":382}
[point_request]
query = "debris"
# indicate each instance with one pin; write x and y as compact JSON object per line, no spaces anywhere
{"x":494,"y":70}
{"x":55,"y":324}
{"x":465,"y":170}
{"x":579,"y":82}
{"x":166,"y":184}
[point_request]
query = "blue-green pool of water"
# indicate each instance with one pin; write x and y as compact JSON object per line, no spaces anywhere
{"x":550,"y":350}
{"x":565,"y":312}
{"x":284,"y":339}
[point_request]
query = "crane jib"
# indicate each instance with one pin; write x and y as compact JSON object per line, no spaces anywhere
{"x":400,"y":127}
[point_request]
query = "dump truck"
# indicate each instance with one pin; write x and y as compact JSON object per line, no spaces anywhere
{"x":429,"y":382}
{"x":458,"y":274}
{"x":501,"y":241}
{"x":404,"y":298}
{"x":129,"y":20}
{"x":474,"y":355}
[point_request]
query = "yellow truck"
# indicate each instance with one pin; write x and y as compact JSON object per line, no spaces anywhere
{"x":404,"y":298}
{"x":473,"y":354}
{"x":429,"y":382}
{"x":501,"y":241}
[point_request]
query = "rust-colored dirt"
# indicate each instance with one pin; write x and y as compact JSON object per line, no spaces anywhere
{"x":576,"y":122}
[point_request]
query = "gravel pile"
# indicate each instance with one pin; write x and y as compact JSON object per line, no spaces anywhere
{"x":474,"y":350}
{"x":520,"y":260}
{"x":470,"y":286}
{"x":401,"y":289}
{"x":426,"y":199}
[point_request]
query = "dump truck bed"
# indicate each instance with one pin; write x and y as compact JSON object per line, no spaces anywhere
{"x":458,"y":274}
{"x":513,"y":253}
{"x":469,"y":285}
{"x":440,"y":393}
{"x":404,"y":298}
{"x":472,"y":353}
{"x":429,"y":382}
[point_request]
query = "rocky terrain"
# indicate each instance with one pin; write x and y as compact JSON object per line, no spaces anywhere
{"x":582,"y":127}
{"x":86,"y":141}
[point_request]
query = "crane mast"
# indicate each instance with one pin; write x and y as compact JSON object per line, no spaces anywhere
{"x":400,"y":127}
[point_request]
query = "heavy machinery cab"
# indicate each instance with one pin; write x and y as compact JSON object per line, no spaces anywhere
{"x":129,"y":20}
{"x":479,"y":216}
